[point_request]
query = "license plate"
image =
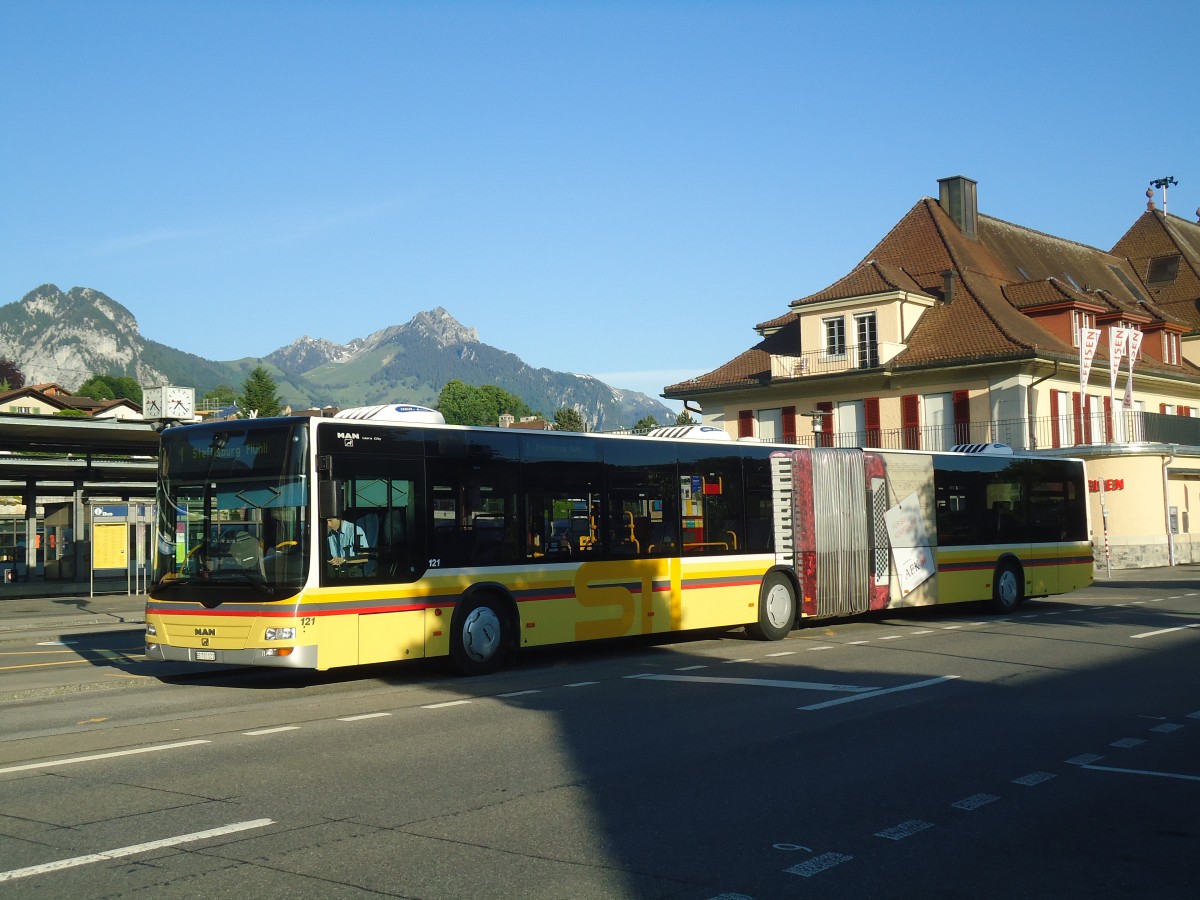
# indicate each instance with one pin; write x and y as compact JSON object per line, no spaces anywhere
{"x":206,"y":655}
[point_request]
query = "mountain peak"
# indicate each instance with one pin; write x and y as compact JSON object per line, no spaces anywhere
{"x":438,"y":325}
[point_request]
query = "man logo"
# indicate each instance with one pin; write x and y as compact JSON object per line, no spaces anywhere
{"x":212,"y":632}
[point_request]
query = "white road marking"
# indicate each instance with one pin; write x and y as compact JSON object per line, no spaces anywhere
{"x":1146,"y":634}
{"x":759,"y":682}
{"x":811,"y":867}
{"x":783,"y":653}
{"x":690,"y":668}
{"x":518,"y":693}
{"x":377,"y":715}
{"x":1033,"y":778}
{"x":575,"y":684}
{"x":1142,"y":772}
{"x":903,"y":830}
{"x":1083,"y":759}
{"x":275,"y":730}
{"x":26,"y":767}
{"x":120,"y":852}
{"x":975,"y":801}
{"x":878,"y":692}
{"x":446,"y":704}
{"x":1166,"y":727}
{"x":1126,"y":743}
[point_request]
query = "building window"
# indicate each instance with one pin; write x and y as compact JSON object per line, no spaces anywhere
{"x":868,"y":340}
{"x":835,"y":335}
{"x":1079,"y":321}
{"x":1170,"y":348}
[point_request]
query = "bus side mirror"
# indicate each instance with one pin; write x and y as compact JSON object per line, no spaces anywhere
{"x":329,"y":499}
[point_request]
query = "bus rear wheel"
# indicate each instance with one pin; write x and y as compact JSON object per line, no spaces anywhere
{"x":1007,"y":591}
{"x":481,"y":636}
{"x":776,"y":609}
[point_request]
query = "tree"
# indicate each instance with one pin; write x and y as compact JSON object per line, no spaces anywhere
{"x":10,"y":375}
{"x":221,"y":395}
{"x":568,"y":419}
{"x":95,"y":387}
{"x":466,"y":404}
{"x":258,"y":394}
{"x":685,"y":418}
{"x":111,"y":387}
{"x":645,"y":423}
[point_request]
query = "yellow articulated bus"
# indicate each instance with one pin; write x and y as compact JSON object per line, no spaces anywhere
{"x":383,"y":534}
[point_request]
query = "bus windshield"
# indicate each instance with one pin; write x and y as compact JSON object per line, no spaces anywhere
{"x":232,"y":510}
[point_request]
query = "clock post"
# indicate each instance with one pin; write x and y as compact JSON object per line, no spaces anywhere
{"x":169,"y":403}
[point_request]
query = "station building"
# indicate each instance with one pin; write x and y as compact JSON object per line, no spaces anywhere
{"x":958,"y":327}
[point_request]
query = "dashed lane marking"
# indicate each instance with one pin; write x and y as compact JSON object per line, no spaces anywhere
{"x":276,"y":730}
{"x":105,"y":855}
{"x":1146,"y":634}
{"x":55,"y":763}
{"x":817,"y":864}
{"x":904,"y":829}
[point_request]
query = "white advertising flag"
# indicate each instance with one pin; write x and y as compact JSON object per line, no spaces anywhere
{"x":1135,"y":346}
{"x":1118,"y":340}
{"x":1089,"y":340}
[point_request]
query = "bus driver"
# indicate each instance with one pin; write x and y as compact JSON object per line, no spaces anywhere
{"x":346,"y":542}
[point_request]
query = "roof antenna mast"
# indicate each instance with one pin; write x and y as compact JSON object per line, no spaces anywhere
{"x":1162,"y":183}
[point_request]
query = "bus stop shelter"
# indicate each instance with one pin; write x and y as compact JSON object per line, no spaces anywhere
{"x":66,"y":465}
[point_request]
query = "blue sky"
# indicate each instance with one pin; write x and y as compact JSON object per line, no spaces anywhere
{"x":614,"y":188}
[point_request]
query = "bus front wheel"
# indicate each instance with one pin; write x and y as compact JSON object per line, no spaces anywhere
{"x":480,"y":637}
{"x":776,"y":609}
{"x":1007,"y":590}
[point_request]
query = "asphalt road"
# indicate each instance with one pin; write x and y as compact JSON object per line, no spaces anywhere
{"x":936,"y":753}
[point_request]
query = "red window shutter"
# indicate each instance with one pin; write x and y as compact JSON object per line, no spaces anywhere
{"x":871,"y":419}
{"x":825,"y":422}
{"x":962,"y":417}
{"x":910,"y":422}
{"x":1108,"y":423}
{"x":789,"y":424}
{"x":1077,"y":409}
{"x":746,"y":423}
{"x":1055,"y":433}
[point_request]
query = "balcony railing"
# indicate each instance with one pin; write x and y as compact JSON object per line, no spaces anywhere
{"x":1045,"y":433}
{"x":819,"y":362}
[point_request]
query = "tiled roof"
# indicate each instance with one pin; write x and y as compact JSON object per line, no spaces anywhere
{"x":1157,"y":235}
{"x":869,"y":277}
{"x":1006,"y":270}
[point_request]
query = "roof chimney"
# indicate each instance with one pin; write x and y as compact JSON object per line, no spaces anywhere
{"x":957,"y":197}
{"x":948,"y":286}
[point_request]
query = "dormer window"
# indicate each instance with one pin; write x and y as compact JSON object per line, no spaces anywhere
{"x":1079,"y":321}
{"x":1170,"y":348}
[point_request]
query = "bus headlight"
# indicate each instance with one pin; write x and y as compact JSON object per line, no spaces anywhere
{"x":151,"y":631}
{"x":281,"y":634}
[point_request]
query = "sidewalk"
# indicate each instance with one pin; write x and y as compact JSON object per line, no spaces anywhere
{"x":27,"y":606}
{"x":53,"y":605}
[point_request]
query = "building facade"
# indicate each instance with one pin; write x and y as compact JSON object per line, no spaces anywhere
{"x":962,"y":328}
